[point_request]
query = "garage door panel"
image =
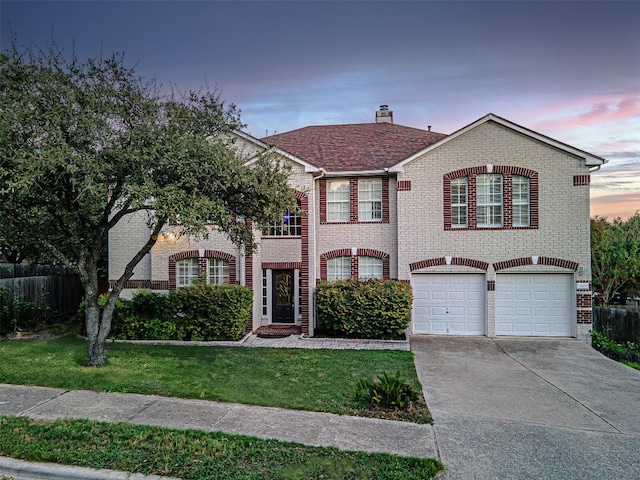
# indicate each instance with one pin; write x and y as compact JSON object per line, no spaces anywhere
{"x":534,"y":304}
{"x":449,"y":304}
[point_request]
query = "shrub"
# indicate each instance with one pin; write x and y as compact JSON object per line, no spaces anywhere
{"x":213,"y":312}
{"x":199,"y":312}
{"x":388,"y":392}
{"x":365,"y":309}
{"x":16,"y":314}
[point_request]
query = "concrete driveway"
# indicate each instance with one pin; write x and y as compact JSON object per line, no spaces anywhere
{"x":521,"y":408}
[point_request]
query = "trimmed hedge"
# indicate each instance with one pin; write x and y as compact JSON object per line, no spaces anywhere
{"x":213,"y":312}
{"x":364,"y":308}
{"x":200,"y":312}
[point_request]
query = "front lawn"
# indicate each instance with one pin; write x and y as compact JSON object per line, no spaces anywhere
{"x":196,"y":455}
{"x":301,"y":379}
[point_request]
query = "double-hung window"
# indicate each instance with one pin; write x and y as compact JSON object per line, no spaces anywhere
{"x":459,"y":210}
{"x":370,"y":200}
{"x":520,"y":201}
{"x":370,"y":268}
{"x":489,"y":200}
{"x":338,"y":268}
{"x":217,"y":271}
{"x":338,"y":200}
{"x":186,"y":272}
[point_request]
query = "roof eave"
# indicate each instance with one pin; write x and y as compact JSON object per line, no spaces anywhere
{"x":357,"y":173}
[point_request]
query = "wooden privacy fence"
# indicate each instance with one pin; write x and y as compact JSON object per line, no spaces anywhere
{"x":621,"y":325}
{"x":56,"y":288}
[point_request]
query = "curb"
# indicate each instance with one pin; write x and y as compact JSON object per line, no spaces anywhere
{"x":21,"y":469}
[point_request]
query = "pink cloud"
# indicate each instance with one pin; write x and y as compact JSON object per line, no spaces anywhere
{"x":587,"y":112}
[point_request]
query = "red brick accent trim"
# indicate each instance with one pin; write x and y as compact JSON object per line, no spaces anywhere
{"x":353,"y":200}
{"x":507,"y":173}
{"x":304,"y":267}
{"x":281,"y":265}
{"x":248,"y":275}
{"x":581,"y":180}
{"x":404,"y":185}
{"x":202,"y":263}
{"x":360,"y":252}
{"x":437,"y":262}
{"x":585,"y":316}
{"x":519,"y":262}
{"x":323,"y":199}
{"x":385,"y":200}
{"x":150,"y":284}
{"x":583,"y":300}
{"x":491,"y":285}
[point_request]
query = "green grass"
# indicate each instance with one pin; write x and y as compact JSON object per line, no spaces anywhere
{"x":301,"y":379}
{"x":195,"y":455}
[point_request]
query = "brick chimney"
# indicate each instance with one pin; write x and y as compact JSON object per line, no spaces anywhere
{"x":384,"y":115}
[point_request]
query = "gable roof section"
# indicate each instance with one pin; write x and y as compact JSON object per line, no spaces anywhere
{"x":590,"y":159}
{"x":249,"y":138}
{"x":363,"y":147}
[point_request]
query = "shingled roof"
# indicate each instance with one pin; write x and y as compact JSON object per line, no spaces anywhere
{"x":356,"y":147}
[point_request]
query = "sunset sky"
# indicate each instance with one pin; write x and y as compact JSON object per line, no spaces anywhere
{"x":569,"y":70}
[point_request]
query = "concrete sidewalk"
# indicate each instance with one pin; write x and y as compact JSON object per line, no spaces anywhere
{"x":309,"y":428}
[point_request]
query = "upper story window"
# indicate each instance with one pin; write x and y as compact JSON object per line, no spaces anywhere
{"x":338,"y":200}
{"x":354,"y":200}
{"x":289,"y":225}
{"x":370,"y":200}
{"x":489,"y":200}
{"x":370,"y":268}
{"x":338,"y":268}
{"x":459,"y":207}
{"x":520,"y":201}
{"x":498,"y":197}
{"x":186,"y":272}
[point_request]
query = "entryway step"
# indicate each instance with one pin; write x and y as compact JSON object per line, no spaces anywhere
{"x":275,"y":331}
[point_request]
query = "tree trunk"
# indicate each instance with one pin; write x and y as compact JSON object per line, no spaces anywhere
{"x":96,"y":334}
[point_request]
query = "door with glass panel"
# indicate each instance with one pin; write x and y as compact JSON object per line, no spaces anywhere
{"x":283,"y":296}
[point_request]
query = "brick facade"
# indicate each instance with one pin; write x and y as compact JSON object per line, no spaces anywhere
{"x":415,"y":233}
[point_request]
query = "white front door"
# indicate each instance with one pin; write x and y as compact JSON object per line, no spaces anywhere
{"x":539,"y":304}
{"x":448,"y":303}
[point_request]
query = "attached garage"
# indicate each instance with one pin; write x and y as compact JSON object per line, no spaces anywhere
{"x":540,"y":305}
{"x":447,"y":303}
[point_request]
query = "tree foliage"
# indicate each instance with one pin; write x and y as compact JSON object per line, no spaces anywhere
{"x":615,"y":255}
{"x":83,"y":144}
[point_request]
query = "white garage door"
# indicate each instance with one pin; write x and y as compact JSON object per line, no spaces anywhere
{"x":538,"y":305}
{"x":448,"y":303}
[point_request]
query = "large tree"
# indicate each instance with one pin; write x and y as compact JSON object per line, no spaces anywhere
{"x":615,"y":255}
{"x":85,"y":143}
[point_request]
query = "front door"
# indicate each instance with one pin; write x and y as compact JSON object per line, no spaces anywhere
{"x":283,"y":297}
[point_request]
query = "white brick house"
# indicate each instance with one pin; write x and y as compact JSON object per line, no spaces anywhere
{"x":490,"y":225}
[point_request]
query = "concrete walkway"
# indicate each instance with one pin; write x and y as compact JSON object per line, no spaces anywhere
{"x":522,"y":408}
